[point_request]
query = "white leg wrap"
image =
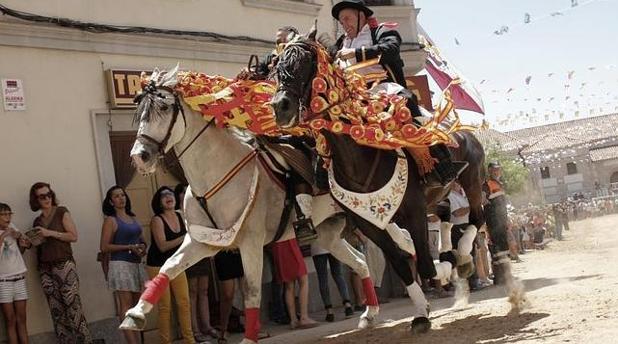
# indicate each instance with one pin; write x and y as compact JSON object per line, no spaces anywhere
{"x":305,"y":202}
{"x":465,"y":243}
{"x":502,"y":257}
{"x":454,"y":275}
{"x":371,"y":312}
{"x":401,"y":237}
{"x":443,"y":271}
{"x":368,"y":318}
{"x":419,"y":302}
{"x":445,"y":237}
{"x":140,"y":309}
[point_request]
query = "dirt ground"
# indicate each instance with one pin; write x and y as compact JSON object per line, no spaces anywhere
{"x":572,"y":287}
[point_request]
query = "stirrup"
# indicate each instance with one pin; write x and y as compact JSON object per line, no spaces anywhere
{"x":460,"y":166}
{"x":304,"y":230}
{"x":447,"y":172}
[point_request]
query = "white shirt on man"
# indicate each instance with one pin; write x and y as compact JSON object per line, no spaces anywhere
{"x":459,"y":201}
{"x":363,"y":39}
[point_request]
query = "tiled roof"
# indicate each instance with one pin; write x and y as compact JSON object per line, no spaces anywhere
{"x":551,"y":141}
{"x":491,"y":137}
{"x":568,"y":133}
{"x":606,"y":153}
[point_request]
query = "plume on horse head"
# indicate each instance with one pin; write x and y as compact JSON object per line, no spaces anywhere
{"x":163,"y":78}
{"x":324,"y":39}
{"x":151,"y":102}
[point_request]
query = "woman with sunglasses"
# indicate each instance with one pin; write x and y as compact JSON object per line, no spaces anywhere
{"x":167,"y":231}
{"x":13,"y":293}
{"x":59,"y":277}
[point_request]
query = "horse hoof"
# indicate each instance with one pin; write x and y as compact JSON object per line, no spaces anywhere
{"x":466,"y":270}
{"x":133,"y":323}
{"x":247,"y":341}
{"x":366,"y":322}
{"x":420,"y":325}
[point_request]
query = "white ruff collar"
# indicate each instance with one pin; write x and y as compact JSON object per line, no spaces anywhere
{"x":362,"y":39}
{"x":380,"y":206}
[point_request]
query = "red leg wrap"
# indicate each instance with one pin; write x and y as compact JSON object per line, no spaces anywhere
{"x":252,"y":323}
{"x":155,"y":288}
{"x":370,"y":293}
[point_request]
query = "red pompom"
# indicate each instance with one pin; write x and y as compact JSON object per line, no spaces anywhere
{"x":372,"y":22}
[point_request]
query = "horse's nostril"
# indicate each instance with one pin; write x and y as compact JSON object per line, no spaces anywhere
{"x":145,"y":156}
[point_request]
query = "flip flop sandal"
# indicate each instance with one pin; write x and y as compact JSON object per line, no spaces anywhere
{"x":212,"y":332}
{"x":263,"y":335}
{"x":222,"y":339}
{"x":306,"y":326}
{"x":200,"y":338}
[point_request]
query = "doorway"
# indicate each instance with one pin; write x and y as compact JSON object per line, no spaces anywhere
{"x":140,"y":188}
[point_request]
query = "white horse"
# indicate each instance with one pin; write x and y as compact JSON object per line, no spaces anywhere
{"x":247,"y":209}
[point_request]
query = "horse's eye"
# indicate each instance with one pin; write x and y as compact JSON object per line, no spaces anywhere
{"x":164,"y":107}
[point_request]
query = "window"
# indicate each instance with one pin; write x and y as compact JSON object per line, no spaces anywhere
{"x":571,"y":168}
{"x":545,"y":172}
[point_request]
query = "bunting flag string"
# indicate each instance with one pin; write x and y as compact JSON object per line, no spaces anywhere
{"x":539,"y":96}
{"x":529,"y":18}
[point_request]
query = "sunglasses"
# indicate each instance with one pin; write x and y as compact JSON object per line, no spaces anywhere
{"x":167,"y":193}
{"x":42,"y":197}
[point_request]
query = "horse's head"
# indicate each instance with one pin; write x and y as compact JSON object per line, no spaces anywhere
{"x":295,"y":69}
{"x":158,"y":112}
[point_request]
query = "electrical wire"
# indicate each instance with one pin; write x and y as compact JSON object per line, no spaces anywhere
{"x":104,"y":28}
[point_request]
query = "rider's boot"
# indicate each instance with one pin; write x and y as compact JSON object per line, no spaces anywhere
{"x":446,"y":170}
{"x":499,"y":266}
{"x":303,"y":226}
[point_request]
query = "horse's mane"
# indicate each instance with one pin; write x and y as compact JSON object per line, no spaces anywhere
{"x":299,"y":46}
{"x":289,"y":59}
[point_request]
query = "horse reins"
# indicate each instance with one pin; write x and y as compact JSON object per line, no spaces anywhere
{"x":195,"y":138}
{"x":203,"y":200}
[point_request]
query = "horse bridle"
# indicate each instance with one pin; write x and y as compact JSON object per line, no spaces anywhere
{"x":153,"y":90}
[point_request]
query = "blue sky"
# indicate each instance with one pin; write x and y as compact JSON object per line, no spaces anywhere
{"x":582,"y":37}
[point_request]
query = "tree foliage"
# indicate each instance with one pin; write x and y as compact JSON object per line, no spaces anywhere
{"x":514,"y":173}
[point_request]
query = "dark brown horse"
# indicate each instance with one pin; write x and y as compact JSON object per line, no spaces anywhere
{"x":352,"y":163}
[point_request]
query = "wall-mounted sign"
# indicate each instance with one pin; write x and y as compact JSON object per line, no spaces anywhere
{"x":13,"y":95}
{"x":419,"y":85}
{"x":123,"y":85}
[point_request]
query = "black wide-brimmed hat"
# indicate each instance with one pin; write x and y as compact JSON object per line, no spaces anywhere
{"x":355,"y":4}
{"x":494,"y":164}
